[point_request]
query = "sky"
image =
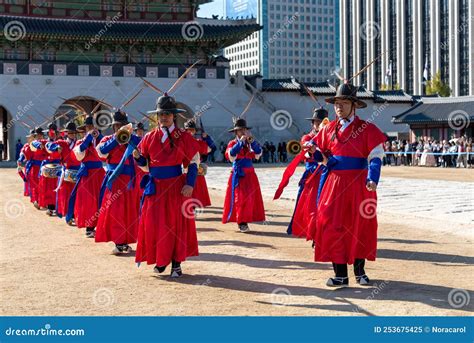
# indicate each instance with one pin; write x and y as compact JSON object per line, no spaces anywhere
{"x":214,"y":7}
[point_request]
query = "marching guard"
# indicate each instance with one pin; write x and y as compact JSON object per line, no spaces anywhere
{"x":49,"y":170}
{"x":167,"y":229}
{"x":70,"y":167}
{"x":22,"y":160}
{"x":84,"y":199}
{"x":119,"y":196}
{"x":243,"y":202}
{"x":34,"y":156}
{"x":346,"y":222}
{"x":206,"y":145}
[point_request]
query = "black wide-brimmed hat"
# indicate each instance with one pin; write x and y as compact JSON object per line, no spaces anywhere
{"x":70,"y":127}
{"x":39,"y":131}
{"x":139,"y":126}
{"x":190,"y":124}
{"x":346,"y":91}
{"x":319,"y":114}
{"x":53,"y":127}
{"x":89,"y":121}
{"x":120,"y":117}
{"x":166,"y":104}
{"x":240,"y":124}
{"x":32,"y":133}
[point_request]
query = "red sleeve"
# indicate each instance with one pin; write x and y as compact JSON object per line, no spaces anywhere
{"x":143,"y":145}
{"x":191,"y":146}
{"x":229,"y":146}
{"x":306,"y":138}
{"x":373,"y":137}
{"x":203,"y":148}
{"x":321,"y":138}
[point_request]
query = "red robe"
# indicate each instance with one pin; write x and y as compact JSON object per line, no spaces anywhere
{"x":26,"y":189}
{"x":34,"y":159}
{"x":307,"y":197}
{"x":69,"y":161}
{"x":248,"y":203}
{"x":200,"y":192}
{"x":118,"y":219}
{"x":86,"y":211}
{"x":47,"y":185}
{"x":167,"y":229}
{"x":346,"y":222}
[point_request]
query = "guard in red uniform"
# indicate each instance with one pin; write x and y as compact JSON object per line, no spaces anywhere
{"x":243,"y":200}
{"x":70,"y":167}
{"x":22,"y":160}
{"x":310,"y":179}
{"x":49,"y":171}
{"x":35,"y":155}
{"x":206,"y":145}
{"x":346,"y":222}
{"x":119,"y":196}
{"x":84,"y":200}
{"x":167,"y":230}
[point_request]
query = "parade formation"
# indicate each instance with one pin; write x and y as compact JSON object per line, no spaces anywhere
{"x":135,"y":187}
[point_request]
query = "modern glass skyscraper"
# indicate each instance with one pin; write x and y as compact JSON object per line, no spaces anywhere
{"x":299,"y":38}
{"x":419,"y":38}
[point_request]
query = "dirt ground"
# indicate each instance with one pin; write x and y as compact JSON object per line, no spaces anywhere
{"x":49,"y":268}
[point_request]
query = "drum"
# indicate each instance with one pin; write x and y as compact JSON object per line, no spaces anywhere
{"x":70,"y":175}
{"x":51,"y":170}
{"x":202,"y":170}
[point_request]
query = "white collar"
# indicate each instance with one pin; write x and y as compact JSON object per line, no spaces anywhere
{"x":165,"y":134}
{"x":346,"y":122}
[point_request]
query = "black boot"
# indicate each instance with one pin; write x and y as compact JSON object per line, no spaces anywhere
{"x":176,"y":271}
{"x":341,"y":279}
{"x":243,"y":227}
{"x":159,"y":269}
{"x":359,"y":272}
{"x":90,"y":232}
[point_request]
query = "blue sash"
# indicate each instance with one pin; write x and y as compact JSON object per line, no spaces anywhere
{"x":125,"y":169}
{"x":148,"y":180}
{"x":237,"y":173}
{"x":83,"y":171}
{"x":336,"y":162}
